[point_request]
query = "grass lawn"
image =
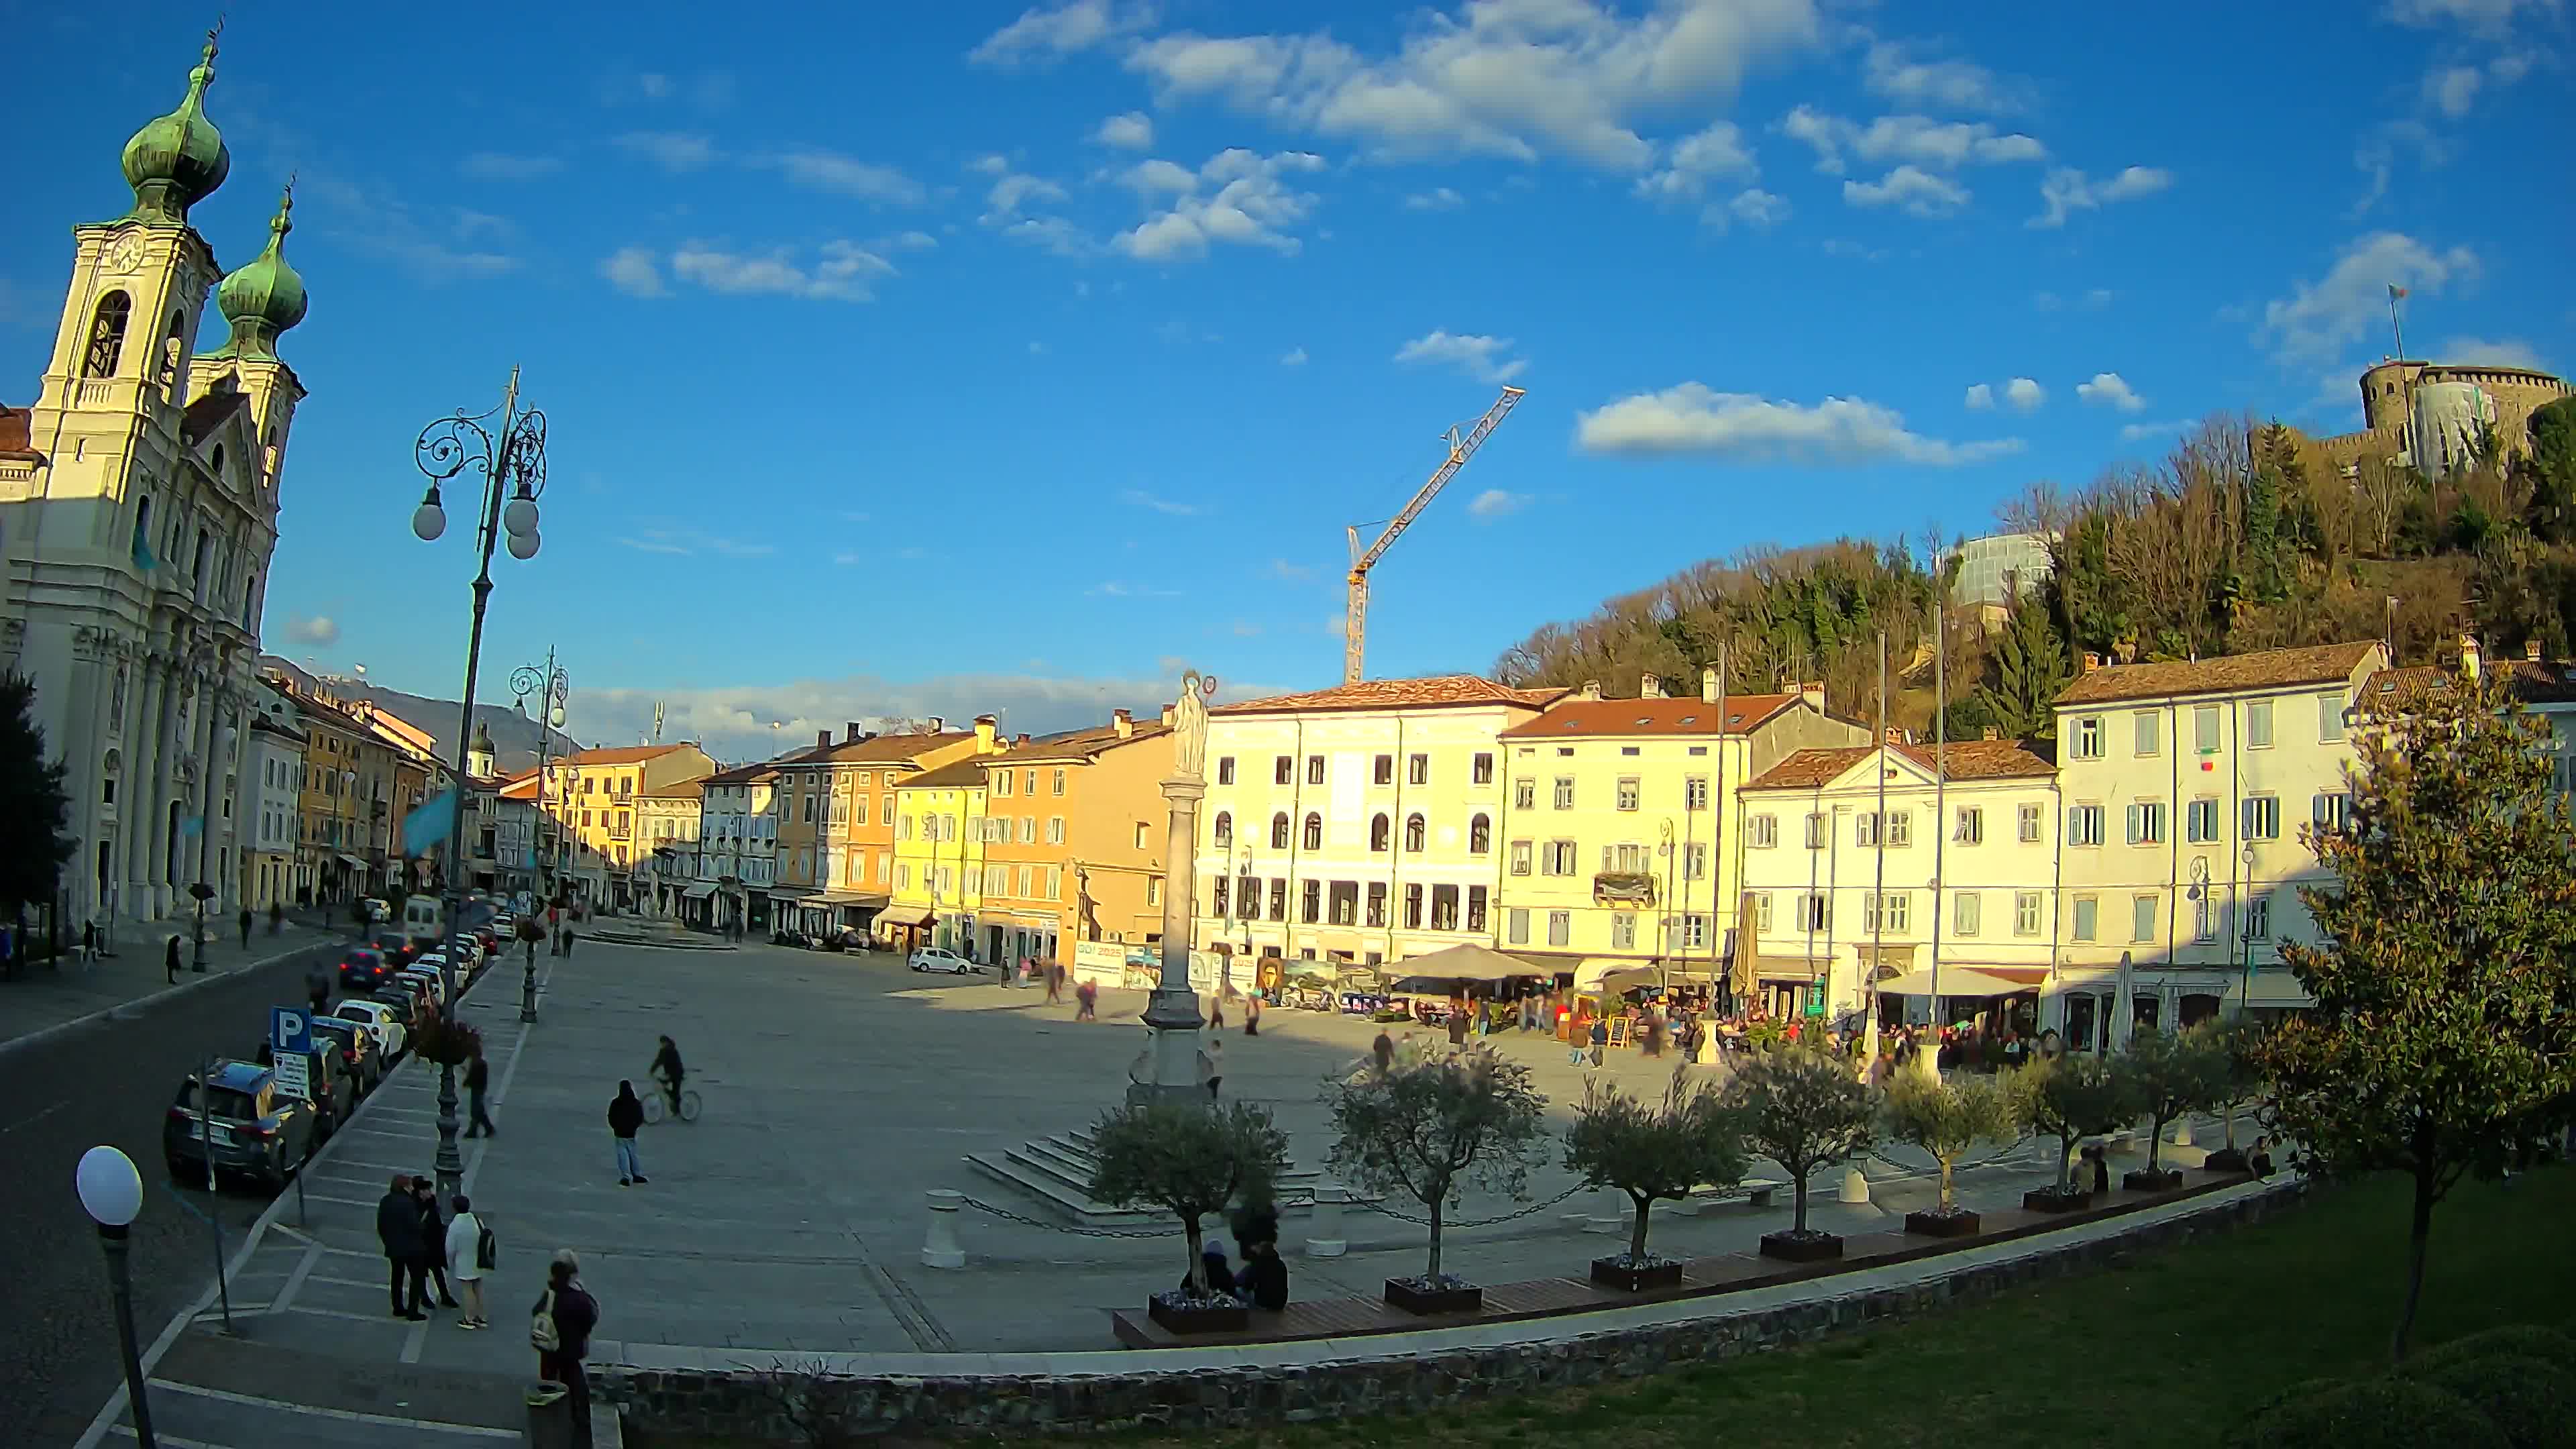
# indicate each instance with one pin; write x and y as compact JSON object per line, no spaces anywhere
{"x":2169,"y":1350}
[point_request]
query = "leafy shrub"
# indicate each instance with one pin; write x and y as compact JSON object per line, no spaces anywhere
{"x":2376,"y":1414}
{"x":2512,"y":1340}
{"x":2530,"y":1400}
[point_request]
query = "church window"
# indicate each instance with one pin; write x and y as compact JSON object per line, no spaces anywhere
{"x":107,"y":335}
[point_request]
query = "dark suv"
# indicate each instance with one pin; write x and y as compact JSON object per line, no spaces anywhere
{"x":258,"y":1130}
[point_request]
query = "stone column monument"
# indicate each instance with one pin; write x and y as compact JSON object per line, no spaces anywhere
{"x":1170,"y":1071}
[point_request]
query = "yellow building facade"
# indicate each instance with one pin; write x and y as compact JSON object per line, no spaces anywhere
{"x":939,"y":854}
{"x":1619,"y":841}
{"x":592,"y":796}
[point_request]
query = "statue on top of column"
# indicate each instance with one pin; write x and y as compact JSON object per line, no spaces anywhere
{"x":1190,"y":726}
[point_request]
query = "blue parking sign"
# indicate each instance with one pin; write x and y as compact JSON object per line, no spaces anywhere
{"x":290,"y":1030}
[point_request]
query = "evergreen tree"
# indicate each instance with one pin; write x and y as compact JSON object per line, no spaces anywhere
{"x":2030,"y":671}
{"x":2441,"y":1044}
{"x":35,"y":809}
{"x":2274,"y":453}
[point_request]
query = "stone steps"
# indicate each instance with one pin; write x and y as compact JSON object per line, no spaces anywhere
{"x":1056,"y":1173}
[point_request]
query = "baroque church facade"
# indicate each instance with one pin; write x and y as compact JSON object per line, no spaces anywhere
{"x":138,"y":514}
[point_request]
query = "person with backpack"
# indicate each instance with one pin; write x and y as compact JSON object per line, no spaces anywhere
{"x":470,"y":1254}
{"x":559,"y":1330}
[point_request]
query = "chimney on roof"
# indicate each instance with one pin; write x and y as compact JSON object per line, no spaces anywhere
{"x":1591,"y":690}
{"x":1992,"y":733}
{"x":2092,"y":661}
{"x":1122,"y":723}
{"x":1895,"y":736}
{"x":2531,"y":651}
{"x":850,"y":732}
{"x":1813,"y":692}
{"x":1708,"y":685}
{"x":1651,"y":686}
{"x":2469,"y":659}
{"x":1019,"y":740}
{"x":822,"y":739}
{"x":934,"y":725}
{"x":987,"y":730}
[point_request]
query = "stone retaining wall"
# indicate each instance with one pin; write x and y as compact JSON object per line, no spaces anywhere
{"x":744,"y":1403}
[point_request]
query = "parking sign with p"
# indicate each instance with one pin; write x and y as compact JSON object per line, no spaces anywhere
{"x":290,"y":1043}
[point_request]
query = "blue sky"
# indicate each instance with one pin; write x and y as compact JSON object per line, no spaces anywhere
{"x":929,"y":359}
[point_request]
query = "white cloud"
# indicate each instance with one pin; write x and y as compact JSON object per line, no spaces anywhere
{"x":1293,"y":357}
{"x":1753,"y":206}
{"x":1438,"y":198}
{"x":1253,"y":203}
{"x":680,"y":542}
{"x":1906,"y":140}
{"x":1695,"y":420}
{"x":1955,"y":85}
{"x":632,"y":270}
{"x":1044,"y":34}
{"x":2453,"y":89}
{"x":831,"y":171}
{"x":1133,"y":131}
{"x":2480,"y":352}
{"x":436,"y":243}
{"x":1243,"y":630}
{"x":2132,"y":432}
{"x":1692,"y":162}
{"x":1494,"y":503}
{"x":1139,"y":498}
{"x":2488,"y":19}
{"x":1052,"y":233}
{"x":1481,"y":358}
{"x":910,"y":241}
{"x":2024,"y":394}
{"x":2376,"y":155}
{"x":2109,"y":389}
{"x":841,"y":273}
{"x":1981,"y":397}
{"x":1013,"y":189}
{"x":1514,"y":78}
{"x":2068,"y":190}
{"x":320,"y":630}
{"x":1114,"y":589}
{"x":499,"y":166}
{"x":1916,"y":191}
{"x":2317,"y":322}
{"x":1281,"y":568}
{"x":669,"y":150}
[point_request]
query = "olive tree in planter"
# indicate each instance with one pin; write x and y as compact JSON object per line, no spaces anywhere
{"x":2172,"y":1073}
{"x":1803,"y":1108}
{"x":1193,"y":1162}
{"x":1945,"y":1119}
{"x":1653,"y":1152}
{"x":2071,"y":1098}
{"x":2236,"y":1078}
{"x":1431,"y":1124}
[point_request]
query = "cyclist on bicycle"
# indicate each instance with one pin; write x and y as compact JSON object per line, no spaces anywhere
{"x":668,"y":1071}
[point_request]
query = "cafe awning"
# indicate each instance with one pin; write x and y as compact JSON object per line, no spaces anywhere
{"x":697,"y":892}
{"x":352,"y":862}
{"x":904,"y":916}
{"x":1468,"y":962}
{"x":1954,"y":981}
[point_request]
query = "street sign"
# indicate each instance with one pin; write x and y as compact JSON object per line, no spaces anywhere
{"x":290,"y":1042}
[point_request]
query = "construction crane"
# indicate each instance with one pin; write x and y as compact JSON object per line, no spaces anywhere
{"x":1461,"y":448}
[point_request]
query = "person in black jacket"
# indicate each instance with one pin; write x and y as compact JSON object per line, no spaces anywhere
{"x":575,"y":1314}
{"x":1264,"y":1279}
{"x":433,"y":1238}
{"x":625,"y":1119}
{"x":478,"y":1080}
{"x":170,"y":960}
{"x":398,"y":1228}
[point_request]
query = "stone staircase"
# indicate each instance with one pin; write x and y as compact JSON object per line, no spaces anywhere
{"x":1056,"y":1172}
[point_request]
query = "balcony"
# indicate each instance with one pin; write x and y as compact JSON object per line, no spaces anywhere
{"x":1624,"y":888}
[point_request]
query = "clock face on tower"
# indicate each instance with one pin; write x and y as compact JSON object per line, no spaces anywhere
{"x":125,"y":254}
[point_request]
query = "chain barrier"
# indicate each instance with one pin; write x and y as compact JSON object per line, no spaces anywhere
{"x":1445,"y":1225}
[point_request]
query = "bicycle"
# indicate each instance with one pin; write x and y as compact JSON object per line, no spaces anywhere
{"x":658,"y":1105}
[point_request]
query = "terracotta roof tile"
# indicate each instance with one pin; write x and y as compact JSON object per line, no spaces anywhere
{"x":622,"y":755}
{"x":966,"y":774}
{"x":2228,"y":674}
{"x":684,"y":790}
{"x":1430,"y":692}
{"x":744,"y":774}
{"x":1959,"y":760}
{"x":16,"y":436}
{"x":1082,"y":744}
{"x":2534,"y":681}
{"x":1585,"y":718}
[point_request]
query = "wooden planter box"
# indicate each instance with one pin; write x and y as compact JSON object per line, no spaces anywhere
{"x":2163,"y":1179}
{"x":1942,"y":1225}
{"x":1791,"y":1248}
{"x":1403,"y":1293}
{"x":2050,"y":1200}
{"x":1199,"y":1317}
{"x":2226,"y":1159}
{"x":1612,"y":1273}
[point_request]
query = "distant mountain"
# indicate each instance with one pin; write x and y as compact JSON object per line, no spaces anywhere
{"x":514,"y":735}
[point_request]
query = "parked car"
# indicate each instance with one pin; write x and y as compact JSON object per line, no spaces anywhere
{"x":390,"y":1025}
{"x":364,"y":968}
{"x":254,"y":1128}
{"x":335,"y":1091}
{"x":357,"y":1048}
{"x":940,"y":958}
{"x":430,"y":981}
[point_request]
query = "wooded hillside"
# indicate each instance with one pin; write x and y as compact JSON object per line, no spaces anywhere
{"x":2244,"y":537}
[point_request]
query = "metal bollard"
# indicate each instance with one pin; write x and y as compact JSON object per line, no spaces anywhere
{"x":2181,"y":1134}
{"x":1324,"y":1237}
{"x":941,"y":1250}
{"x":1855,"y":1186}
{"x":1610,"y":1213}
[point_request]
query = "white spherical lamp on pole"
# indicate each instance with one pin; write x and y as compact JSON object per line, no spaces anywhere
{"x":111,"y":1192}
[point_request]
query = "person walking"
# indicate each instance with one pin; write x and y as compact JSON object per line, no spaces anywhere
{"x":89,"y":941}
{"x":1382,"y":1051}
{"x":245,"y":927}
{"x":1600,"y":1039}
{"x":478,"y":1080}
{"x":317,"y":988}
{"x":1252,"y":1013}
{"x":559,"y":1328}
{"x":1216,"y":1008}
{"x":398,"y":1230}
{"x":170,"y":959}
{"x":567,"y":943}
{"x":465,"y":1235}
{"x":1215,"y":1065}
{"x":1457,"y":1021}
{"x":276,"y":916}
{"x":433,"y":1238}
{"x":625,"y":1119}
{"x":1086,"y":1002}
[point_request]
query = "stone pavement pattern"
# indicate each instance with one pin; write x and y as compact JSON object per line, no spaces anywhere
{"x":788,"y":1219}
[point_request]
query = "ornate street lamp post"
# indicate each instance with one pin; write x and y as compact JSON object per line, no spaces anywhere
{"x":111,"y":1192}
{"x":551,"y":687}
{"x":511,"y":457}
{"x":1173,"y":1015}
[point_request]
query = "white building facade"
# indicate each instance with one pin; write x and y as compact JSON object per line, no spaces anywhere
{"x":1288,"y":861}
{"x":138,"y":512}
{"x":271,"y":799}
{"x":738,"y":855}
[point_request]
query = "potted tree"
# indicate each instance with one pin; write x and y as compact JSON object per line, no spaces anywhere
{"x":1428,"y":1126}
{"x":1192,"y":1162}
{"x":2071,"y":1098}
{"x":2171,"y":1073}
{"x":1804,"y":1109}
{"x":1945,"y":1119}
{"x":2236,"y":1077}
{"x":1652,"y":1153}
